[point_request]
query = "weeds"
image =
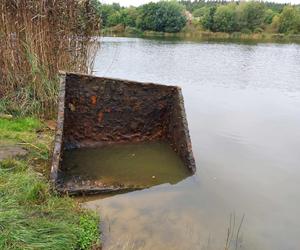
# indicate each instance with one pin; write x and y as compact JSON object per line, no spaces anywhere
{"x":39,"y":38}
{"x":32,"y":216}
{"x":233,"y":233}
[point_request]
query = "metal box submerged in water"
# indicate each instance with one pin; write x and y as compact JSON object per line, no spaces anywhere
{"x":96,"y":111}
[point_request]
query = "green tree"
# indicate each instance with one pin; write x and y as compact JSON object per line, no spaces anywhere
{"x":289,"y":20}
{"x":162,"y":16}
{"x":146,"y":19}
{"x":225,"y":18}
{"x":200,"y":12}
{"x":129,"y":16}
{"x":275,"y":23}
{"x":106,"y":10}
{"x":268,"y":17}
{"x":251,"y":15}
{"x":114,"y":19}
{"x":207,"y":20}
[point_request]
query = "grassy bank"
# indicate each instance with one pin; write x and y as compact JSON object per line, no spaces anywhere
{"x":32,"y":216}
{"x":197,"y":34}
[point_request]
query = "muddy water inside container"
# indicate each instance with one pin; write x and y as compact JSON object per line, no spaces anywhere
{"x":139,"y":164}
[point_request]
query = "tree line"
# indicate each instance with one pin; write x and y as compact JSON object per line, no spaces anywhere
{"x":215,"y":16}
{"x":163,"y":16}
{"x":246,"y":17}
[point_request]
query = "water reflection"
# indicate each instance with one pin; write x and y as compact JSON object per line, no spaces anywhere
{"x":242,"y":104}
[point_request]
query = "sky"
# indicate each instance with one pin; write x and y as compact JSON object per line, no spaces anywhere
{"x":139,"y":2}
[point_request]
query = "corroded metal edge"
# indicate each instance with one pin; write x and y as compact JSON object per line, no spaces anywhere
{"x":116,"y":79}
{"x":58,"y":141}
{"x":190,"y":158}
{"x":96,"y":190}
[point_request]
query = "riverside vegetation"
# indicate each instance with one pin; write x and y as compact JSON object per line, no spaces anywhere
{"x":208,"y":18}
{"x":39,"y":38}
{"x":32,"y":216}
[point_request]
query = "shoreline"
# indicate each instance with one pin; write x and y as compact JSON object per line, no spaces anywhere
{"x":205,"y":36}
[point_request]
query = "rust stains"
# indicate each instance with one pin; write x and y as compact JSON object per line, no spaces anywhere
{"x":94,"y":100}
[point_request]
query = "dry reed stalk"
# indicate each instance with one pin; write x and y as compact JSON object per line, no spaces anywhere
{"x":39,"y":38}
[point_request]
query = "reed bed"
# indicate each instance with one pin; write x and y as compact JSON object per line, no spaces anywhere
{"x":39,"y":38}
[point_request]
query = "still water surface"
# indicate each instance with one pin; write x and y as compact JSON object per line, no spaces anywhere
{"x":243,"y":109}
{"x":132,"y":164}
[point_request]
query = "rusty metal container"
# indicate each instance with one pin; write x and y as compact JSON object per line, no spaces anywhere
{"x":94,"y":111}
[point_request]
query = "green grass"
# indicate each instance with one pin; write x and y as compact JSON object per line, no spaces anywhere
{"x":23,"y":131}
{"x":20,"y":125}
{"x":32,"y":216}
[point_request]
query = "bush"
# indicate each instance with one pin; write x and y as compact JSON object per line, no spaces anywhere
{"x":207,"y":20}
{"x":251,"y":15}
{"x":289,"y":20}
{"x":225,"y":18}
{"x":162,"y":17}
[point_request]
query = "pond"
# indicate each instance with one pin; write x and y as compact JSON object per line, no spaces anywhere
{"x":243,"y":109}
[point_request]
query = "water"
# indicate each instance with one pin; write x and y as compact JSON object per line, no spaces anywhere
{"x":133,"y":165}
{"x":243,"y":110}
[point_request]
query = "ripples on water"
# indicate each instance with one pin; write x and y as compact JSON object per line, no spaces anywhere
{"x":243,"y":107}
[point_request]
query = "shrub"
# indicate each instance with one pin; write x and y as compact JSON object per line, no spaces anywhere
{"x":289,"y":20}
{"x":225,"y":18}
{"x":162,"y":17}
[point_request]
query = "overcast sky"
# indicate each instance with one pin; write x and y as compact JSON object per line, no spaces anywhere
{"x":139,"y":2}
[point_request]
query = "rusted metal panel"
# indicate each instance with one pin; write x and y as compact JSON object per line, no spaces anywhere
{"x":95,"y":111}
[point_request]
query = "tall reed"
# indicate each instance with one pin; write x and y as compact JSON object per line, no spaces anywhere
{"x":37,"y":39}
